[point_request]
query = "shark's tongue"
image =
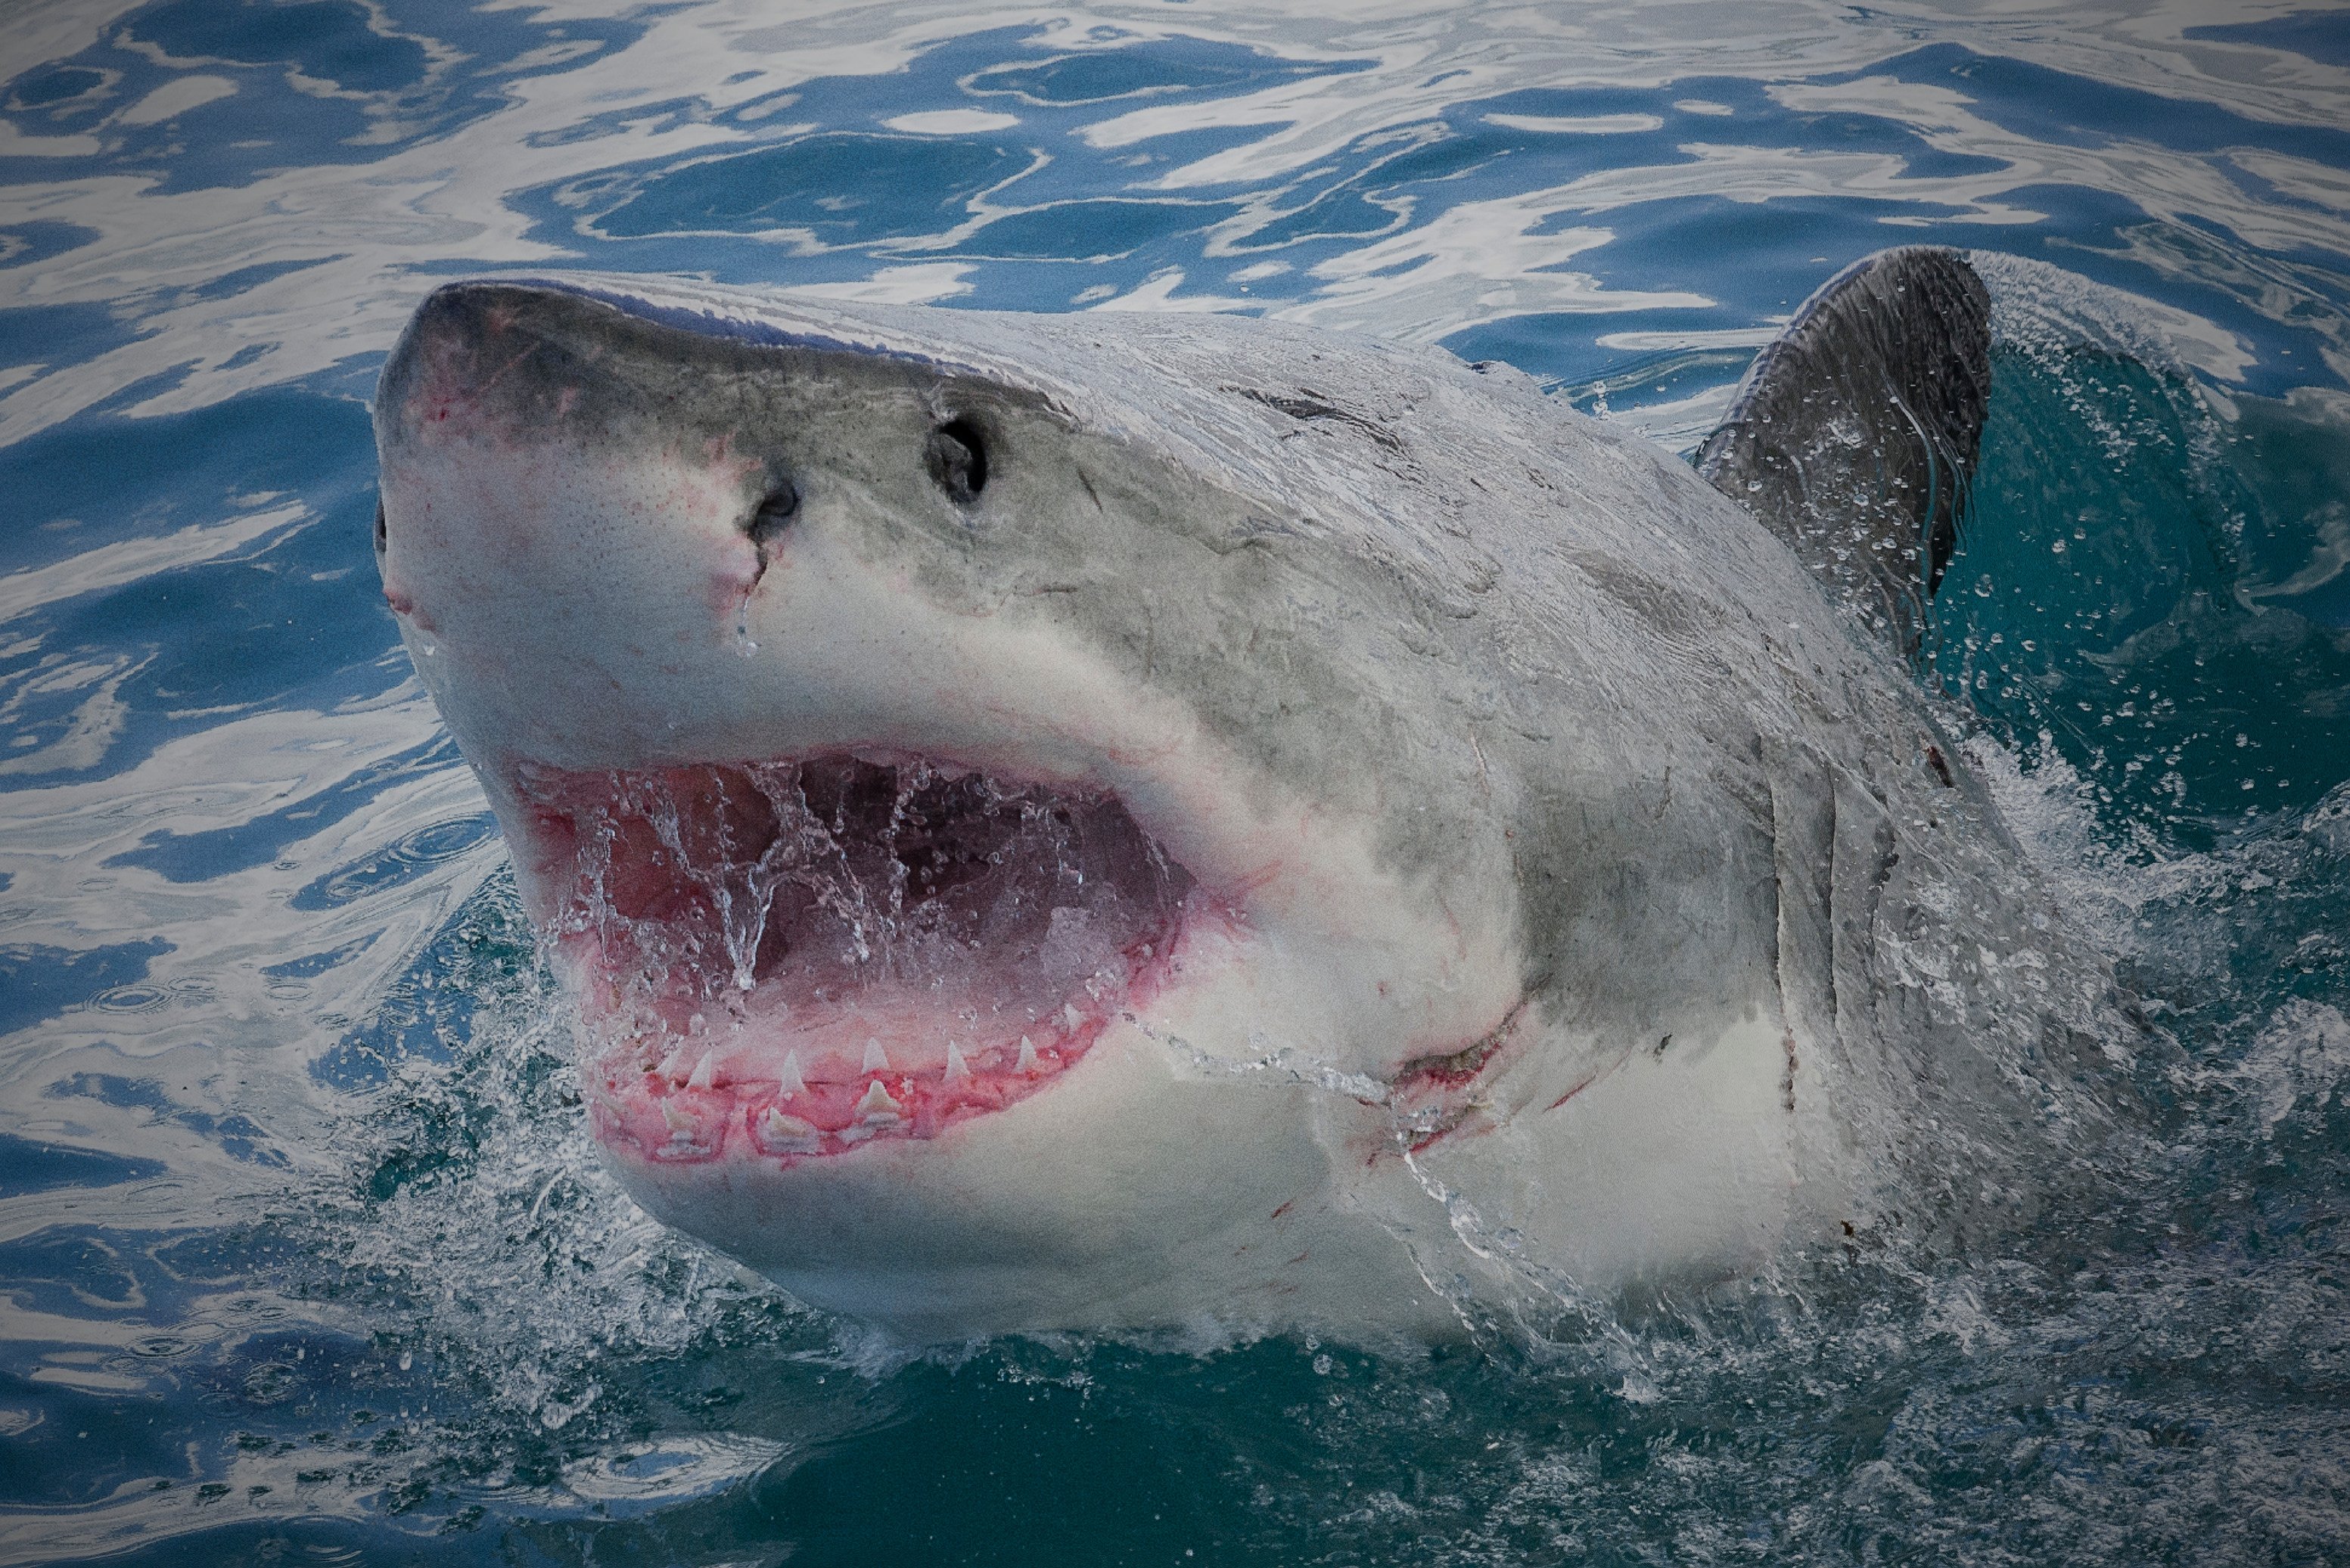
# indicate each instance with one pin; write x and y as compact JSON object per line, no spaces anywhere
{"x":810,"y":954}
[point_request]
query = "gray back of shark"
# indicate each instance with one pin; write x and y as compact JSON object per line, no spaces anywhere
{"x":1855,"y":433}
{"x":1558,"y":673}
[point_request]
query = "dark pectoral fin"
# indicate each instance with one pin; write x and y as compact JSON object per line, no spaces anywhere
{"x":1854,"y":435}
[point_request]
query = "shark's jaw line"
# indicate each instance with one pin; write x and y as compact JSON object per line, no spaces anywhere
{"x":799,"y":958}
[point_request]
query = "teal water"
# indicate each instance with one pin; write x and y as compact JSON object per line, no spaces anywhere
{"x":302,"y":1255}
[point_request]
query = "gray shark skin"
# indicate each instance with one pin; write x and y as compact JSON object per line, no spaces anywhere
{"x":1520,"y":879}
{"x":1854,"y":435}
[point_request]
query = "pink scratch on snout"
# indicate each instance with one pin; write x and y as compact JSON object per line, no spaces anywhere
{"x":698,"y":487}
{"x":404,"y":607}
{"x":450,"y":389}
{"x":728,"y":464}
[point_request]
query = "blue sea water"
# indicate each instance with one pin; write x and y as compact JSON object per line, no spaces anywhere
{"x":302,"y":1255}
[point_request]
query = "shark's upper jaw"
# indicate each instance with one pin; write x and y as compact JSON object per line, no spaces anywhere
{"x":797,"y":957}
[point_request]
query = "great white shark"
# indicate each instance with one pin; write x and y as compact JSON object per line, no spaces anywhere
{"x":1114,"y":821}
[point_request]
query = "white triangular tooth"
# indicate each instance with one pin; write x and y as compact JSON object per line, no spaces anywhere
{"x":789,"y":1080}
{"x":877,"y":1106}
{"x":1069,"y":1014}
{"x":705,"y":1073}
{"x":1027,"y":1055}
{"x":958,"y":1070}
{"x":776,"y":1128}
{"x":682,"y":1123}
{"x":673,"y":1065}
{"x":876,"y":1060}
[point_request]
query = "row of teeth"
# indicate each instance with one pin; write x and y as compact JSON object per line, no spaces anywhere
{"x":783,"y":1132}
{"x":703,"y":1073}
{"x":791,"y":1080}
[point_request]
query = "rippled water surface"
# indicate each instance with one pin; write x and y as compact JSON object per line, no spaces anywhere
{"x":303,"y":1256}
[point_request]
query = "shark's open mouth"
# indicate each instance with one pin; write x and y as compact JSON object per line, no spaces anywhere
{"x":796,"y":958}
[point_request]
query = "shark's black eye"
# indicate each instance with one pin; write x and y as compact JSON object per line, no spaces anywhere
{"x":383,"y":533}
{"x":775,"y":514}
{"x":957,"y":459}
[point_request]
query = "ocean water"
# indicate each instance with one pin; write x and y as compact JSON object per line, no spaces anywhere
{"x":304,"y":1256}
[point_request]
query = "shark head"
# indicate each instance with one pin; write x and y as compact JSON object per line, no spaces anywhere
{"x":1013,"y":856}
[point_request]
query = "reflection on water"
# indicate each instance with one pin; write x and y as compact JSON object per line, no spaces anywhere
{"x":301,"y":1249}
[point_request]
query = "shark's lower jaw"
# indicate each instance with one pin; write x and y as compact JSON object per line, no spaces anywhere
{"x":792,"y":959}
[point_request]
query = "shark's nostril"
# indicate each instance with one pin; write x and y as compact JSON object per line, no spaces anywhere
{"x":957,"y":459}
{"x":383,"y":533}
{"x":775,"y":514}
